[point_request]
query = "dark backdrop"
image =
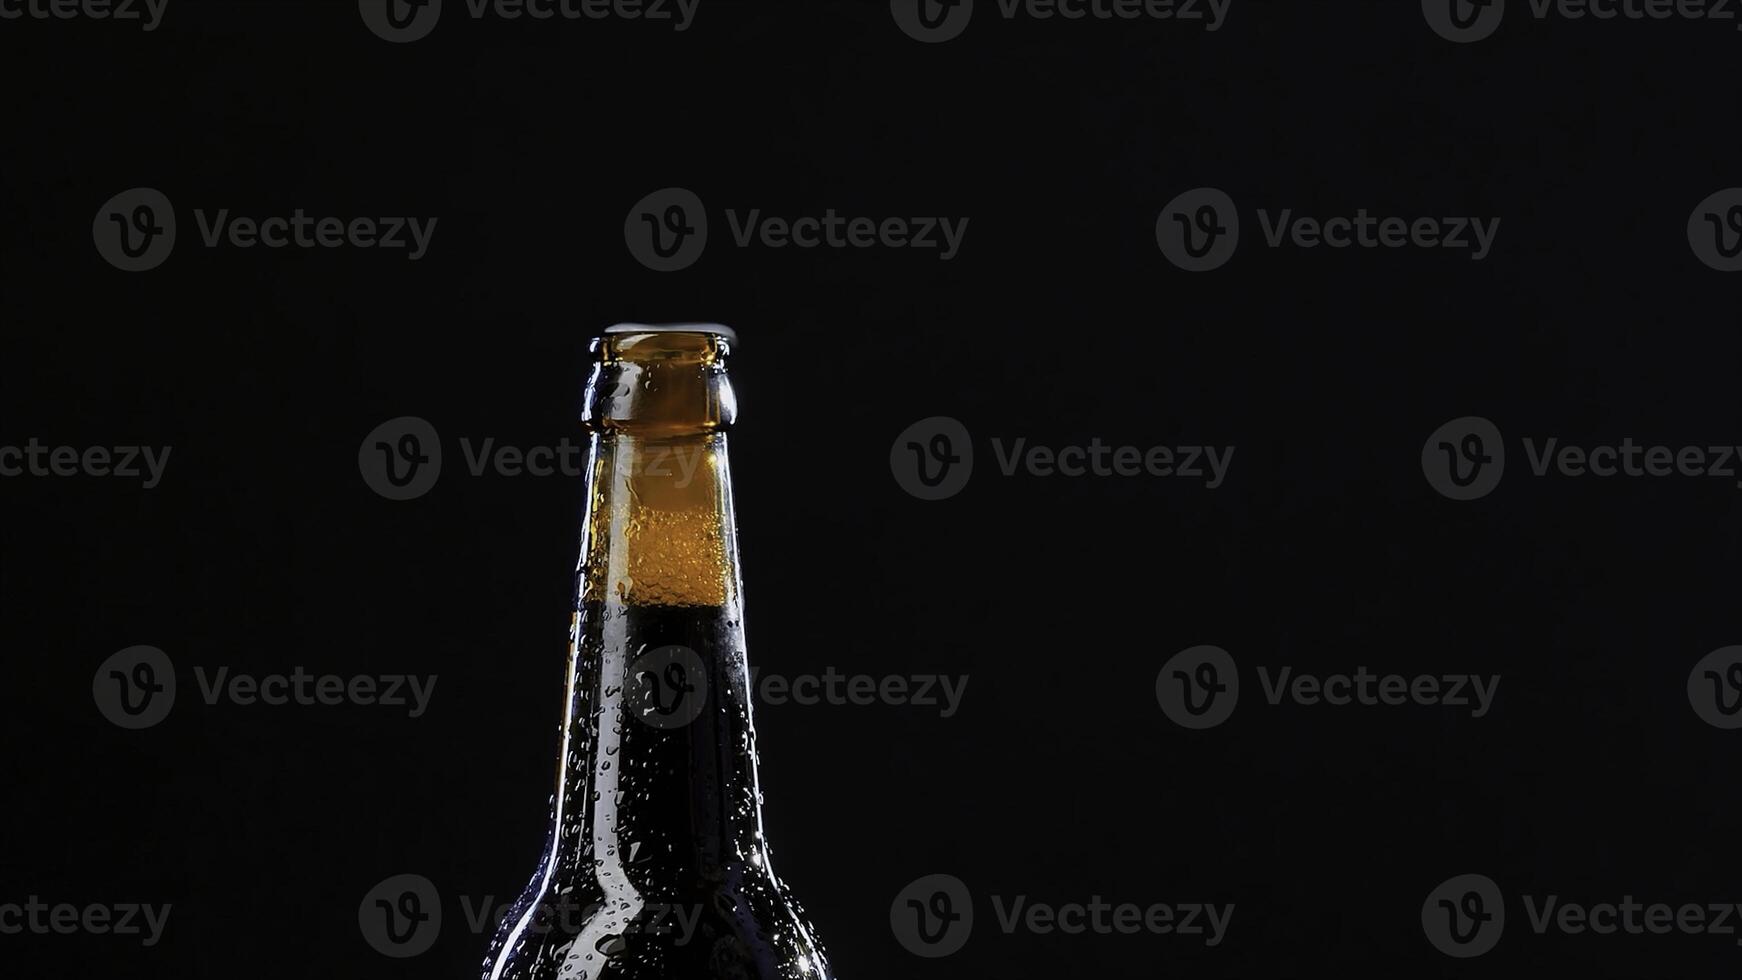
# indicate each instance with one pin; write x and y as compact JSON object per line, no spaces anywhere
{"x":1060,"y":777}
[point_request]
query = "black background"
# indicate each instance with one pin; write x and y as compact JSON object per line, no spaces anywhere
{"x":1060,"y":778}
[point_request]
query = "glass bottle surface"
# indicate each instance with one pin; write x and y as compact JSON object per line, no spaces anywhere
{"x":656,"y":865}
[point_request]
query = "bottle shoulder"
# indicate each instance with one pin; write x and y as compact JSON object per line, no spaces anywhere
{"x":745,"y":926}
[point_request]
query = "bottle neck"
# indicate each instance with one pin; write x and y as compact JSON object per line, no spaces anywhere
{"x":658,"y":789}
{"x":660,"y":382}
{"x":659,"y":525}
{"x":659,"y":529}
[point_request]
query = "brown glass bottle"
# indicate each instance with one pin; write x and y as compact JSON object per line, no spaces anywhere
{"x":656,"y":865}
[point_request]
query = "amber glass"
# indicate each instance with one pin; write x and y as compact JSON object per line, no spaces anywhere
{"x":656,"y":865}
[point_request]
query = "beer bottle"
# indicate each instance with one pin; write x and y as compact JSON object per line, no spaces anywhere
{"x":656,"y":865}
